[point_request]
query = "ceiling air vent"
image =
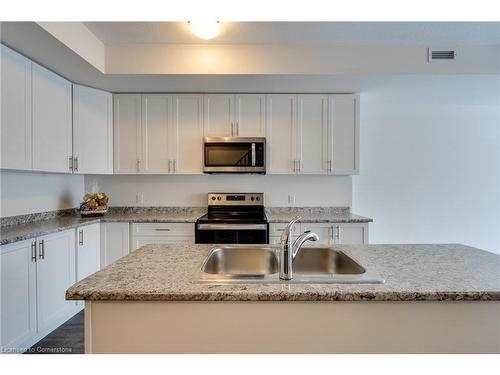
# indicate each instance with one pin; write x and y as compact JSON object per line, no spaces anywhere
{"x":439,"y":54}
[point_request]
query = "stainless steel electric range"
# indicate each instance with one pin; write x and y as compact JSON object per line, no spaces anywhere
{"x":236,"y":218}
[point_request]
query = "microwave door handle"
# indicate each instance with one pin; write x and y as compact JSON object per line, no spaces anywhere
{"x":253,"y":154}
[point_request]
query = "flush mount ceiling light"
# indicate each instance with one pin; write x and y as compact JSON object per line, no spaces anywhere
{"x":204,"y":29}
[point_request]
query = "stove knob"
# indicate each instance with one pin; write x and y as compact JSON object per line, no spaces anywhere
{"x":252,"y":198}
{"x":219,"y":198}
{"x":213,"y":198}
{"x":257,"y":198}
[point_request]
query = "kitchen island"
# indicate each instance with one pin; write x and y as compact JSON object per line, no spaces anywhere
{"x":436,"y":299}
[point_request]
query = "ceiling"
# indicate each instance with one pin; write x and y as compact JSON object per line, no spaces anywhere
{"x":316,"y":33}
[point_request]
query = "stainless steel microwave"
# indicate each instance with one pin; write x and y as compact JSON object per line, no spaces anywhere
{"x":234,"y":155}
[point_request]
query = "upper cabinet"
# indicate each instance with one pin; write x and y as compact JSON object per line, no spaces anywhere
{"x":52,"y":122}
{"x":229,"y":115}
{"x":313,"y":134}
{"x":127,"y":133}
{"x":16,"y":130}
{"x":158,"y":134}
{"x":92,"y":131}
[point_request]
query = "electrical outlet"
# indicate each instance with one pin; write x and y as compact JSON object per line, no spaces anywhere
{"x":139,"y":198}
{"x":291,"y":200}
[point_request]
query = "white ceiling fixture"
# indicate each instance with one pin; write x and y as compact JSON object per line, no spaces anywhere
{"x":205,"y":29}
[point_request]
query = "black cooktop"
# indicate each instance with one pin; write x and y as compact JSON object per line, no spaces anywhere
{"x":235,"y":215}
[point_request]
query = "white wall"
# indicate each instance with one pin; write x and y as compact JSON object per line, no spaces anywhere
{"x":23,"y":193}
{"x":192,"y":190}
{"x":429,"y":161}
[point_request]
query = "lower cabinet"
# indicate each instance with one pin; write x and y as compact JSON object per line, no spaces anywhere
{"x":88,"y":250}
{"x":34,"y":277}
{"x":114,"y":242}
{"x":161,"y":233}
{"x":328,"y":233}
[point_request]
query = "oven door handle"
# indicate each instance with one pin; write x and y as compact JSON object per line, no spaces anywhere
{"x":232,"y":226}
{"x":253,"y":155}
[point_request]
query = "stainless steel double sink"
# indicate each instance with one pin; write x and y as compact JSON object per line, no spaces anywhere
{"x":257,"y":264}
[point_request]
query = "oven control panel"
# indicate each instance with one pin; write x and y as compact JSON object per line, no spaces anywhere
{"x":235,"y":199}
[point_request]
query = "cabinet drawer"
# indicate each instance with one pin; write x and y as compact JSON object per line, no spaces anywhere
{"x":163,"y":229}
{"x":276,"y":229}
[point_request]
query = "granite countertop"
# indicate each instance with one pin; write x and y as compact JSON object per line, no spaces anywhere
{"x":29,"y":226}
{"x":447,"y":272}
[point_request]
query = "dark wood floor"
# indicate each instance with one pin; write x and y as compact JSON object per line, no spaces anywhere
{"x":66,"y":339}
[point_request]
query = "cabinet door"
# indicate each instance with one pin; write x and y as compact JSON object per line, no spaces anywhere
{"x":127,"y":133}
{"x":52,"y":121}
{"x":250,"y":112}
{"x":18,"y":294}
{"x":312,"y":135}
{"x":281,"y":134}
{"x":55,"y":274}
{"x":187,"y":129}
{"x":16,"y":132}
{"x":351,"y":233}
{"x":88,"y":250}
{"x":219,"y":115}
{"x":344,"y":134}
{"x":114,"y":242}
{"x":325,"y":232}
{"x":92,"y":131}
{"x":156,"y":134}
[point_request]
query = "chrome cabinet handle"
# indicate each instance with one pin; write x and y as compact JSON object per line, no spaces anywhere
{"x":295,"y":165}
{"x":169,"y":168}
{"x":33,"y":251}
{"x":70,"y":164}
{"x":76,"y":163}
{"x":237,"y":129}
{"x":329,"y":165}
{"x":299,"y":163}
{"x":232,"y":129}
{"x":41,"y":246}
{"x":175,"y":164}
{"x":138,"y":165}
{"x":162,"y":229}
{"x":337,"y":232}
{"x":80,"y":234}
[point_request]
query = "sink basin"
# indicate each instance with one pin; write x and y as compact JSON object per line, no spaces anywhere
{"x":312,"y":260}
{"x":241,"y":261}
{"x":260,"y":264}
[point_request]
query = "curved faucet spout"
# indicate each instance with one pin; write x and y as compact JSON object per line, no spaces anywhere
{"x":297,"y":244}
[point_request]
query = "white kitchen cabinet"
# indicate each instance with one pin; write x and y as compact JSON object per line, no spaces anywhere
{"x":88,"y":250}
{"x":328,"y":233}
{"x":250,"y":115}
{"x":92,"y":131}
{"x":351,"y":233}
{"x":235,"y":115}
{"x":161,"y":233}
{"x":16,"y":125}
{"x":18,"y":294}
{"x":281,"y":133}
{"x":187,"y":134}
{"x":114,"y":242}
{"x":127,"y":133}
{"x":325,"y":232}
{"x":343,"y":138}
{"x":55,"y":273}
{"x":312,"y":134}
{"x":156,"y":134}
{"x":219,"y":115}
{"x":52,"y":121}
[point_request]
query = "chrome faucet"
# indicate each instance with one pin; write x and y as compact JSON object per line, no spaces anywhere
{"x":289,"y":250}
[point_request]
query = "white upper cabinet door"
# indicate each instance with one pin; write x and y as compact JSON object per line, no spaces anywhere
{"x":312,"y":144}
{"x":18,"y":294}
{"x":344,"y":134}
{"x":281,"y":134}
{"x":156,"y":134}
{"x":55,"y":274}
{"x":92,"y":131}
{"x":88,"y":250}
{"x":127,"y":133}
{"x":52,"y":121}
{"x":187,"y":129}
{"x":219,"y":115}
{"x":250,"y":112}
{"x":16,"y":131}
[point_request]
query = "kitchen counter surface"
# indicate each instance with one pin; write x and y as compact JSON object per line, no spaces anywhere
{"x":31,"y":226}
{"x":445,"y":272}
